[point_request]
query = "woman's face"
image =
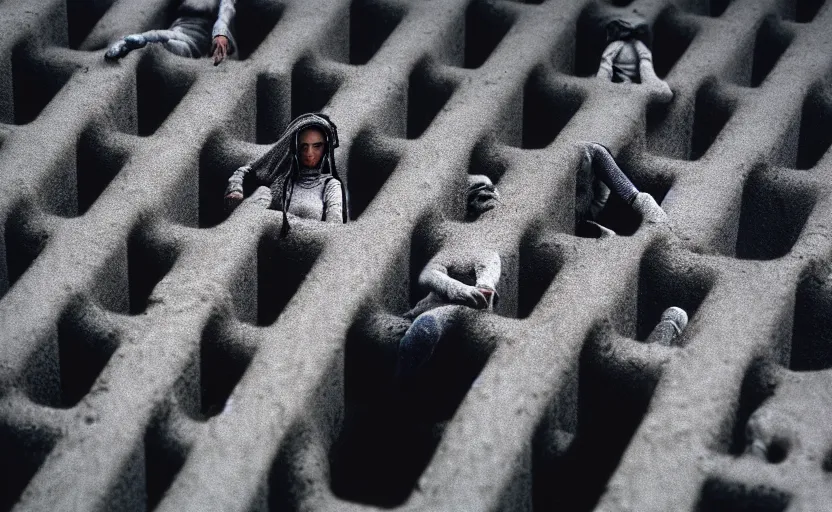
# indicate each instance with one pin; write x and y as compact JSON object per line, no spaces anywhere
{"x":311,"y":147}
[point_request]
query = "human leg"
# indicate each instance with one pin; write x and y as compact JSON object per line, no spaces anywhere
{"x":420,"y":341}
{"x":670,"y":327}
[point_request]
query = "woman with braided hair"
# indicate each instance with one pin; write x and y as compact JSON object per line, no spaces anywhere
{"x":297,"y":175}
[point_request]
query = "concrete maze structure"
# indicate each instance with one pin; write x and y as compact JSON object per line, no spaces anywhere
{"x":158,"y":354}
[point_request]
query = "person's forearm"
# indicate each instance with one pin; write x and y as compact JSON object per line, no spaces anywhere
{"x":435,"y":278}
{"x":333,"y":202}
{"x":225,"y":18}
{"x":235,"y":182}
{"x":488,"y":271}
{"x":607,"y":58}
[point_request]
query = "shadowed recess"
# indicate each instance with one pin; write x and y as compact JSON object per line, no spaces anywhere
{"x":372,"y":160}
{"x":590,"y":39}
{"x":661,"y":286}
{"x":217,"y":161}
{"x":158,"y":91}
{"x":723,"y":496}
{"x":258,"y":18}
{"x":772,"y":40}
{"x":63,"y":370}
{"x":390,"y":432}
{"x":540,"y":262}
{"x":488,"y":158}
{"x":803,"y":11}
{"x":758,"y":384}
{"x":164,"y":456}
{"x":273,"y":107}
{"x":547,"y":109}
{"x":22,"y":453}
{"x":371,"y":23}
{"x":312,"y":88}
{"x":772,"y":216}
{"x":427,"y":94}
{"x":282,"y":265}
{"x":486,"y":24}
{"x":812,"y":335}
{"x":222,"y":362}
{"x":684,"y":134}
{"x":148,"y":261}
{"x":84,"y":348}
{"x":718,"y":7}
{"x":668,"y":134}
{"x":711,"y":114}
{"x":672,"y":35}
{"x":814,"y":143}
{"x":97,"y":163}
{"x":574,"y":477}
{"x":82,"y":16}
{"x":24,"y":237}
{"x":34,"y":84}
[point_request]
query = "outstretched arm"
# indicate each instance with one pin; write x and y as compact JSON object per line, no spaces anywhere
{"x":234,"y":190}
{"x":435,"y":278}
{"x":223,"y":45}
{"x":607,"y":58}
{"x":174,"y":41}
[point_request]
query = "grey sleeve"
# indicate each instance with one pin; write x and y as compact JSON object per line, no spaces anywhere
{"x":235,"y":182}
{"x":607,"y":58}
{"x":435,"y":278}
{"x":488,"y":271}
{"x":333,"y":202}
{"x":225,"y":19}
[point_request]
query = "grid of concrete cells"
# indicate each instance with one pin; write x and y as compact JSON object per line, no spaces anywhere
{"x":157,"y":353}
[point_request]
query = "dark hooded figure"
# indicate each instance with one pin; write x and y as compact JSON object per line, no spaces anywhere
{"x":298,"y":174}
{"x":627,"y":57}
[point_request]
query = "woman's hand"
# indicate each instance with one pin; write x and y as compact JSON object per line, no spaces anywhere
{"x":468,"y":296}
{"x":232,"y":200}
{"x":219,"y":49}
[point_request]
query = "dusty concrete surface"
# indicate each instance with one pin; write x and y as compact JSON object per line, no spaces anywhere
{"x":155,"y":354}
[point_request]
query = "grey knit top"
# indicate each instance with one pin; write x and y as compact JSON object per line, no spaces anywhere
{"x":316,"y":196}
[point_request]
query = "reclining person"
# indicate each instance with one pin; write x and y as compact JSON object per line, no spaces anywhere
{"x":200,"y":26}
{"x":598,"y":176}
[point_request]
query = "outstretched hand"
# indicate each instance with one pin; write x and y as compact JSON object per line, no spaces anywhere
{"x":469,"y":296}
{"x":219,"y":49}
{"x":232,"y":200}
